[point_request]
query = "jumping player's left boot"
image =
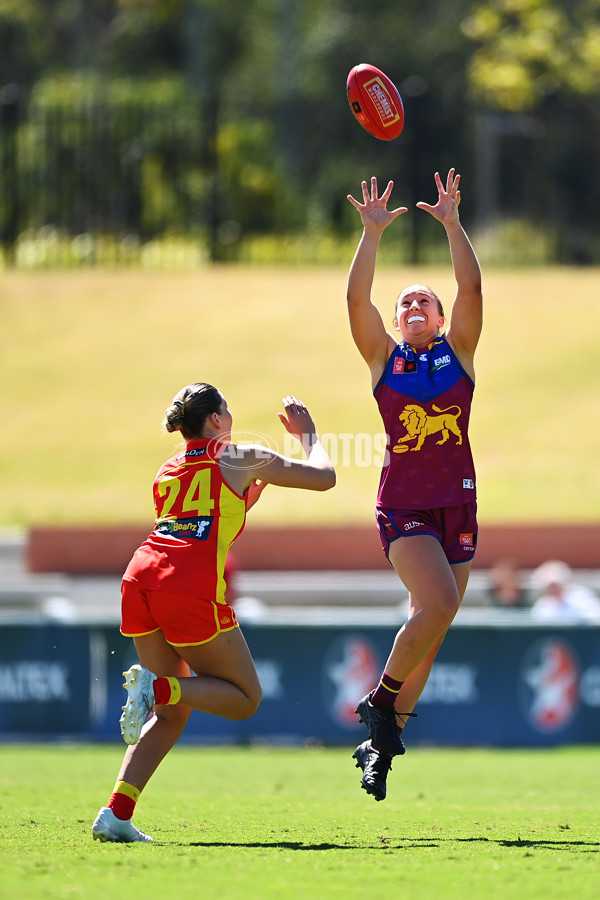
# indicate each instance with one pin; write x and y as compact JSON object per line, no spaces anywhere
{"x":117,"y":831}
{"x":140,"y":702}
{"x":375,"y":766}
{"x":382,"y":725}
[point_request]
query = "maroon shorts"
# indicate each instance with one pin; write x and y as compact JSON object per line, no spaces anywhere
{"x":183,"y":620}
{"x":455,"y":527}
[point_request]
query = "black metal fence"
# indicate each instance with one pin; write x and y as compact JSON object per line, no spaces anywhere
{"x":99,"y":183}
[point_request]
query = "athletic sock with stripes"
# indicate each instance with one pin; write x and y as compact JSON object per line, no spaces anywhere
{"x":123,"y":800}
{"x":167,"y":690}
{"x":386,"y":691}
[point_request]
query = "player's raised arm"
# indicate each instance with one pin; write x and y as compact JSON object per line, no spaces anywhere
{"x":370,"y":336}
{"x":467,"y":310}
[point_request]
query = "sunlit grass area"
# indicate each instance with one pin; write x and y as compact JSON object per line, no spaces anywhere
{"x":91,"y":359}
{"x":271,"y":822}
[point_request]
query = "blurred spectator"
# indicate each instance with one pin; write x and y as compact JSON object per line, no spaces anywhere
{"x":559,"y":598}
{"x":506,"y":589}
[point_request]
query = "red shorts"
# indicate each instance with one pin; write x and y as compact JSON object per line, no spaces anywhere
{"x":455,"y":527}
{"x":183,"y":620}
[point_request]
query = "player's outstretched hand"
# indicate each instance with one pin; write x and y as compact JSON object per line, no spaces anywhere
{"x":374,"y":213}
{"x":446,"y":208}
{"x":297,"y":419}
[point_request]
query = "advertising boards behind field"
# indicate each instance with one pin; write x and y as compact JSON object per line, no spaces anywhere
{"x":490,"y":685}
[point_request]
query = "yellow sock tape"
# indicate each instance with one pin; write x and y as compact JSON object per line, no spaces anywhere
{"x":121,"y":787}
{"x":175,"y":690}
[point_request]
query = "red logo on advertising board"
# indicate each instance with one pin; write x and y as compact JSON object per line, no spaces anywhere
{"x":351,"y":668}
{"x":549,"y":680}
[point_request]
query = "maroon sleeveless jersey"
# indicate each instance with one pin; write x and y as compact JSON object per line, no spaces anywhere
{"x":424,"y":397}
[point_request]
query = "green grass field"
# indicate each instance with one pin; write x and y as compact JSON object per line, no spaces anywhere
{"x":254,"y":823}
{"x":91,"y":359}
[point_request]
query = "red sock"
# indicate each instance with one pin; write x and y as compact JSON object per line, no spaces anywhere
{"x":167,"y":690}
{"x":386,"y":692}
{"x":123,"y":800}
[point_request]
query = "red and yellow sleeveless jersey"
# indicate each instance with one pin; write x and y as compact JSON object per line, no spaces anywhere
{"x":424,"y":397}
{"x":197,"y":518}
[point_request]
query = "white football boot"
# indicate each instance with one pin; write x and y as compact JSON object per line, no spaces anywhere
{"x":107,"y":827}
{"x":140,"y":702}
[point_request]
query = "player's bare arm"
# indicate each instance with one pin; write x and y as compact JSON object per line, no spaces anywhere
{"x":242,"y":467}
{"x":467,"y":310}
{"x":373,"y":341}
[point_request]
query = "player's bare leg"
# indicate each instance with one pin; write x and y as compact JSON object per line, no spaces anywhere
{"x":415,"y":683}
{"x":113,"y":822}
{"x":423,"y":568}
{"x":225,"y":684}
{"x":375,"y":763}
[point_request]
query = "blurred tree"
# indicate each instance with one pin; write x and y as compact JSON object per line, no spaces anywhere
{"x":535,"y":74}
{"x":531,"y":49}
{"x":277,"y":148}
{"x":35,"y":37}
{"x":419,"y":45}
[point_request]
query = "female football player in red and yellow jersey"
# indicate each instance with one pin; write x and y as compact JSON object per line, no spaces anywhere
{"x":173,"y":590}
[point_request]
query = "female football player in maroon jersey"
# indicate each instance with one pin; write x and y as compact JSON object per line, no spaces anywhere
{"x":423,"y":382}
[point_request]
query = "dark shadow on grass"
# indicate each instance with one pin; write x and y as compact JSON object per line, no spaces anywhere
{"x":399,"y":844}
{"x":272,"y":845}
{"x":594,"y":846}
{"x":551,"y":845}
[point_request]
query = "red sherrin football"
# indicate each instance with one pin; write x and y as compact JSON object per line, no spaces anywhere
{"x":375,"y":102}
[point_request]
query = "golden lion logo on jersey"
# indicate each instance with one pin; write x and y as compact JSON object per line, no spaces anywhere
{"x":419,"y":425}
